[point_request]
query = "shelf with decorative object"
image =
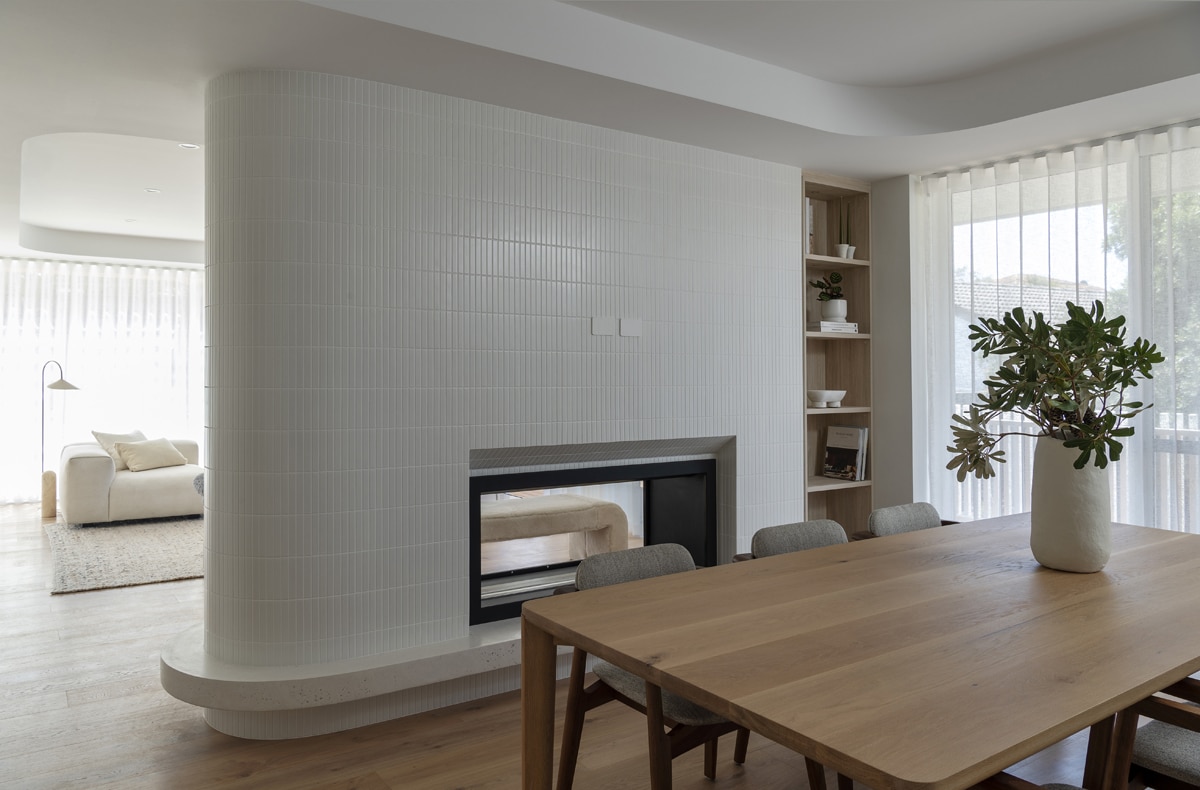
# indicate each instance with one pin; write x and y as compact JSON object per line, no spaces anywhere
{"x":823,"y":484}
{"x":838,"y":212}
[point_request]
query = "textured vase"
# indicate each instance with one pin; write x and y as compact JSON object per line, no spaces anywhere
{"x":1071,"y":519}
{"x":833,"y":310}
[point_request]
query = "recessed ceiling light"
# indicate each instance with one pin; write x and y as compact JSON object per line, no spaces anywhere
{"x":131,"y":220}
{"x":189,"y":146}
{"x":152,"y":190}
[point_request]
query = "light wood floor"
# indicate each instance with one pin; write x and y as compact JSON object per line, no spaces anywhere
{"x":81,"y":707}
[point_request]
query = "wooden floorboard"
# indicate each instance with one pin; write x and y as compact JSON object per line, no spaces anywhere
{"x":81,"y":707}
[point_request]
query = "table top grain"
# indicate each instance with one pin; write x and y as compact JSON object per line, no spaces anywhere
{"x":928,"y":660}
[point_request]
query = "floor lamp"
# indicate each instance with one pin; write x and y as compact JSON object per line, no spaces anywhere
{"x":49,"y":479}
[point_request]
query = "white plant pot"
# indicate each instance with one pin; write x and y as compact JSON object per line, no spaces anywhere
{"x":850,"y":248}
{"x":1071,"y":519}
{"x":842,"y":250}
{"x":833,"y":310}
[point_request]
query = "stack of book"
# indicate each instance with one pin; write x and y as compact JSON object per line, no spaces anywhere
{"x":846,"y":452}
{"x":833,"y":326}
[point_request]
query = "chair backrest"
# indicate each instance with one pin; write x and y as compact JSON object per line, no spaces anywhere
{"x":902,"y":518}
{"x":796,"y":537}
{"x":627,"y":565}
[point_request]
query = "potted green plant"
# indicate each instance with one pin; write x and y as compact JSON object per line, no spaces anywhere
{"x":1070,"y":381}
{"x":829,"y":294}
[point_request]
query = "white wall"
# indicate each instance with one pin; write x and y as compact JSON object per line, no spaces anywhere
{"x":897,"y":307}
{"x":397,"y":278}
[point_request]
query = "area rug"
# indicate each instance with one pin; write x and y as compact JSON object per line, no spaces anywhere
{"x":122,"y":555}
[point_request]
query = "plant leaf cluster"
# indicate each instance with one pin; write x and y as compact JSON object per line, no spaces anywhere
{"x":830,"y":287}
{"x":1068,"y":379}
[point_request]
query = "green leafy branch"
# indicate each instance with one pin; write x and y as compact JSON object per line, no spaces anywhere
{"x":1069,"y":380}
{"x":829,"y":287}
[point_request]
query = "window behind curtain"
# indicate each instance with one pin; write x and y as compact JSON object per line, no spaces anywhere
{"x":130,"y":337}
{"x":1117,"y":221}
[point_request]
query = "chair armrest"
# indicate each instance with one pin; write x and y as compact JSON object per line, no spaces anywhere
{"x":1180,"y":714}
{"x":1188,"y":689}
{"x":86,"y":473}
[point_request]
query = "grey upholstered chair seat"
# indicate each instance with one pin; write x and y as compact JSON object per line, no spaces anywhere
{"x":1168,"y":750}
{"x":675,"y":707}
{"x":800,"y":536}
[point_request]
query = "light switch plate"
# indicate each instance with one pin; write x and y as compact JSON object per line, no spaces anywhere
{"x":604,"y":325}
{"x":631,"y":327}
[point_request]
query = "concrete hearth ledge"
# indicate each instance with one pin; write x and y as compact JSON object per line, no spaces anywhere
{"x":190,"y":675}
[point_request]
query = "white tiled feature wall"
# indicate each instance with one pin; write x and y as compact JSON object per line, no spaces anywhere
{"x":397,"y":278}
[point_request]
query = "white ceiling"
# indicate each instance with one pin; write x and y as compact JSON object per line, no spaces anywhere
{"x":858,"y":87}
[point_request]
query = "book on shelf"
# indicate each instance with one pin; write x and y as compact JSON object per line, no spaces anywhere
{"x":833,"y":326}
{"x":808,"y":221}
{"x":846,"y":452}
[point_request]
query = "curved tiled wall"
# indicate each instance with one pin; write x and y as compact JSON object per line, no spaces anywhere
{"x":397,"y":278}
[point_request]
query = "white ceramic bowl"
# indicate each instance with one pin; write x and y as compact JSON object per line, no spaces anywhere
{"x":820,"y":399}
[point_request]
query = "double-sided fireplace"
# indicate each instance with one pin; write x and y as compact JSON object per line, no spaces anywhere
{"x":530,"y":529}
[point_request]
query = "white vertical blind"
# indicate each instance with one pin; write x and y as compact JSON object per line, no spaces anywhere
{"x":130,"y":337}
{"x":1117,"y":221}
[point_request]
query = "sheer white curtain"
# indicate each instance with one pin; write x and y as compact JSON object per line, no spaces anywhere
{"x":130,"y":337}
{"x":1117,"y":221}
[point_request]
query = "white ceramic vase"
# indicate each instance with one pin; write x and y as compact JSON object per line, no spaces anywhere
{"x":842,"y":250}
{"x":833,"y":310}
{"x":1071,"y":515}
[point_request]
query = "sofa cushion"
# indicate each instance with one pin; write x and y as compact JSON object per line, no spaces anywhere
{"x":155,"y":493}
{"x":150,"y":454}
{"x":109,"y":440}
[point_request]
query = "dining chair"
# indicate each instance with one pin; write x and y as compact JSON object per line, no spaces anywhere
{"x":1165,"y":753}
{"x":690,"y":725}
{"x":793,"y":537}
{"x":802,"y":535}
{"x":900,"y":518}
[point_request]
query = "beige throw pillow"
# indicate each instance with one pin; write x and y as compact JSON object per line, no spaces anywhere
{"x":150,"y":454}
{"x":109,"y":441}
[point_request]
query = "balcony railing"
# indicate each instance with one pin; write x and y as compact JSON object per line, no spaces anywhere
{"x":1171,"y":489}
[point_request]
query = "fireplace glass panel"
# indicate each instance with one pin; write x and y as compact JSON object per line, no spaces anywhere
{"x":529,"y":530}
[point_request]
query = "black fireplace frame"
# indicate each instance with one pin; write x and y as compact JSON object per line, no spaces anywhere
{"x":648,"y":473}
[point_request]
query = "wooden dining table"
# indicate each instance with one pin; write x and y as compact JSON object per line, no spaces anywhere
{"x":924,"y":661}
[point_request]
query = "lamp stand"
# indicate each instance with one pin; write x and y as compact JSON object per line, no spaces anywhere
{"x":49,"y":494}
{"x":49,"y":479}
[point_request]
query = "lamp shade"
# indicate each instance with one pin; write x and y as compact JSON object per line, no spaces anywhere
{"x":59,"y":384}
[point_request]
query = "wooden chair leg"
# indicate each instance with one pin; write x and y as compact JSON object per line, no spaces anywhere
{"x":660,"y":748}
{"x":845,"y":782}
{"x":816,"y":774}
{"x":573,"y":722}
{"x":710,"y":758}
{"x":742,"y":744}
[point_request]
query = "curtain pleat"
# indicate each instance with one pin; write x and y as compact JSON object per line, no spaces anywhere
{"x":1117,"y":221}
{"x":130,"y":337}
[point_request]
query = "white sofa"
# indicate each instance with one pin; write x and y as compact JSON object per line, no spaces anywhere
{"x":91,"y":490}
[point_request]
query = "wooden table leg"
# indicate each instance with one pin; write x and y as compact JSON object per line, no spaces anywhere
{"x":1097,"y":767}
{"x":538,"y":660}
